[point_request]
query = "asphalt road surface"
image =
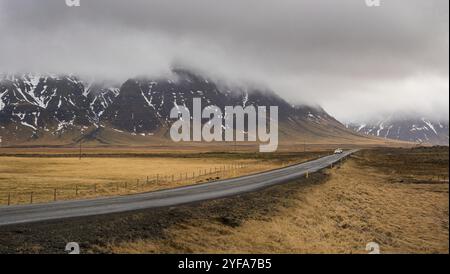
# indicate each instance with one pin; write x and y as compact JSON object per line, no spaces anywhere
{"x":68,"y":209}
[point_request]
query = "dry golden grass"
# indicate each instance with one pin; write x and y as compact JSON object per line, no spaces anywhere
{"x":35,"y":179}
{"x":357,"y":205}
{"x":190,"y":147}
{"x":19,"y":177}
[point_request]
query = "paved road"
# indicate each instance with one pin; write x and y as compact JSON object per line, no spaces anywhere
{"x":171,"y":197}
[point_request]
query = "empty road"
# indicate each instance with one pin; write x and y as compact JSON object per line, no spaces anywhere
{"x":170,"y":197}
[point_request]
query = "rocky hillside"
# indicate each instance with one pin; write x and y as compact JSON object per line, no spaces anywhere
{"x":419,"y":130}
{"x":66,"y":109}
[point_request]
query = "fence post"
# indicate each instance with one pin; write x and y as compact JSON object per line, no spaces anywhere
{"x":31,"y":197}
{"x":9,"y":199}
{"x":54,"y":195}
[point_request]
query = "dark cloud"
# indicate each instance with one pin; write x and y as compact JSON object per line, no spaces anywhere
{"x":354,"y":60}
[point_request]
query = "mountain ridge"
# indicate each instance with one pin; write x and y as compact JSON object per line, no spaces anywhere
{"x":410,"y":128}
{"x":65,"y":109}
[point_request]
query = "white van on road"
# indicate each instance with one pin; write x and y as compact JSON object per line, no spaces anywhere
{"x":338,"y":151}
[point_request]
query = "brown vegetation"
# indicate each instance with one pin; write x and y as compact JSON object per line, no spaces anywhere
{"x":395,"y":197}
{"x":47,"y":177}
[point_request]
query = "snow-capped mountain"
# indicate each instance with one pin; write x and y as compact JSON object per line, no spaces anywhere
{"x":51,"y":103}
{"x":418,"y":130}
{"x":36,"y":107}
{"x":100,"y":97}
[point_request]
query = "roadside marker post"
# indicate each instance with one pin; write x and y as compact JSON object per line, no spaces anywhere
{"x":9,"y":199}
{"x":31,"y":198}
{"x":54,"y":195}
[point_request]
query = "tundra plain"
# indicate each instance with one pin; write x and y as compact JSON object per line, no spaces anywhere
{"x":37,"y":177}
{"x":396,"y":197}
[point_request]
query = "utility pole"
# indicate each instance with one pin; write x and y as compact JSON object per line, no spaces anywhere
{"x":81,"y":140}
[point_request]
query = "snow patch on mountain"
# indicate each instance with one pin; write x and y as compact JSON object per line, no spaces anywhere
{"x":418,"y":130}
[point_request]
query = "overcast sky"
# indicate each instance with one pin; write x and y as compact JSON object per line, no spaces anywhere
{"x":355,"y":61}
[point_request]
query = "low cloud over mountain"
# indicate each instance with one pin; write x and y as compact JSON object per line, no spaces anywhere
{"x":355,"y":61}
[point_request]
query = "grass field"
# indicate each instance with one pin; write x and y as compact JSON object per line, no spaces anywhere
{"x":44,"y":177}
{"x":397,"y":198}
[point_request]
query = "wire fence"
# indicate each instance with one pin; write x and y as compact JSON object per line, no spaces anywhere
{"x":153,"y":182}
{"x":34,"y":195}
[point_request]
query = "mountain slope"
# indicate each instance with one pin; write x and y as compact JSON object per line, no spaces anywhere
{"x":418,"y":130}
{"x":49,"y":109}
